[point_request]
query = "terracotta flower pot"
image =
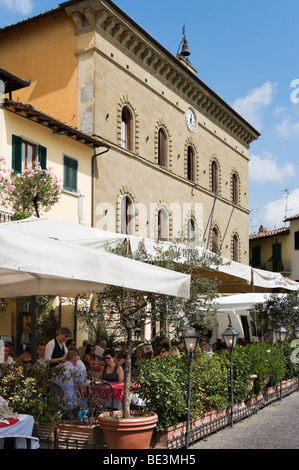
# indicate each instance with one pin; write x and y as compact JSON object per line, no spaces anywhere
{"x":133,"y":433}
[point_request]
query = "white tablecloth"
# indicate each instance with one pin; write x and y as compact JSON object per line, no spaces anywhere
{"x":21,"y":431}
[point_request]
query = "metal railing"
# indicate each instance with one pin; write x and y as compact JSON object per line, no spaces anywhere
{"x":240,"y":413}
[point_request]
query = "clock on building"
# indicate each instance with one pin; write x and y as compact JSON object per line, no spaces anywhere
{"x":190,"y":119}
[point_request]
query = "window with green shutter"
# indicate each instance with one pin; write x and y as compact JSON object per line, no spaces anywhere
{"x":256,"y":257}
{"x":70,"y":166}
{"x":297,"y":240}
{"x":26,"y":153}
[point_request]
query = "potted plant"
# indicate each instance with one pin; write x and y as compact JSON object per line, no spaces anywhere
{"x":26,"y":388}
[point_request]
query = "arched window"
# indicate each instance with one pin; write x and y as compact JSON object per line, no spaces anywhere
{"x":126,"y":216}
{"x":235,"y":248}
{"x":190,"y":164}
{"x":215,"y":240}
{"x":191,"y":228}
{"x":214,"y":177}
{"x":162,"y":225}
{"x":162,"y":148}
{"x":235,"y":188}
{"x":126,"y":128}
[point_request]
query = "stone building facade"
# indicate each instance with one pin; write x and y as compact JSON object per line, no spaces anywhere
{"x":178,"y":159}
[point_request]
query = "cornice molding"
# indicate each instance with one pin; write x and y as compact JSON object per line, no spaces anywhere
{"x":105,"y":17}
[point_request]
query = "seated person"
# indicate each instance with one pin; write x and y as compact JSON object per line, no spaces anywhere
{"x":90,"y":359}
{"x":71,"y":346}
{"x":41,"y":353}
{"x":161,"y":352}
{"x":26,"y":356}
{"x":71,"y":380}
{"x":8,"y":360}
{"x":111,"y":372}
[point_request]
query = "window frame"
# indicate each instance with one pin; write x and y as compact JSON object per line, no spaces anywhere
{"x":162,"y":148}
{"x":126,"y":128}
{"x":215,"y":240}
{"x":215,"y":176}
{"x":126,"y":215}
{"x":71,"y":164}
{"x":235,"y":186}
{"x":235,"y":248}
{"x":18,"y":145}
{"x":163,"y":228}
{"x":190,"y":163}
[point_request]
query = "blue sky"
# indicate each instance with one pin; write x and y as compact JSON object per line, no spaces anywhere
{"x":246,"y":51}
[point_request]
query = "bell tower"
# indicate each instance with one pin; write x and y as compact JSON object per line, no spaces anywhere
{"x":184,"y":54}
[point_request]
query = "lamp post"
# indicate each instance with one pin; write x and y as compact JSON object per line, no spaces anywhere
{"x":230,"y":336}
{"x":190,"y":342}
{"x":281,"y":335}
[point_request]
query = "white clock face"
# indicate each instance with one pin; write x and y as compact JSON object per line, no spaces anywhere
{"x":190,"y":120}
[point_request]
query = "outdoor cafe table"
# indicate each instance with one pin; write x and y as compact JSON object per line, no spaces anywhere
{"x":21,"y":429}
{"x":118,"y":397}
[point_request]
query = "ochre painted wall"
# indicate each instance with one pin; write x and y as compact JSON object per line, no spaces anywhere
{"x":45,"y":53}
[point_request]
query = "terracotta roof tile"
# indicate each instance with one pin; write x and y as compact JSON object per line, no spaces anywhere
{"x":270,"y":233}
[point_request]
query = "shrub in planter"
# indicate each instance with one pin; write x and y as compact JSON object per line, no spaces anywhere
{"x":209,"y":383}
{"x":26,"y":389}
{"x":276,"y":364}
{"x":241,"y":372}
{"x":292,"y":369}
{"x":163,"y":384}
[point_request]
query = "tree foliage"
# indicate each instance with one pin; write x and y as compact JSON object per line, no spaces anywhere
{"x":126,"y":310}
{"x":278,"y":310}
{"x":30,"y":192}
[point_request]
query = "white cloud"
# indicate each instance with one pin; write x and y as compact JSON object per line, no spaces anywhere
{"x":287,"y":128}
{"x":22,"y":6}
{"x":265,"y":169}
{"x":272,"y":215}
{"x":251,"y":106}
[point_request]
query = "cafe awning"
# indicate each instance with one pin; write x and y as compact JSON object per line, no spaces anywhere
{"x":234,"y":277}
{"x":37,"y":263}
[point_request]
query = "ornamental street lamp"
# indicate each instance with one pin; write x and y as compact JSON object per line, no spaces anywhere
{"x":230,"y":336}
{"x":180,"y":333}
{"x":190,"y":342}
{"x":281,"y":335}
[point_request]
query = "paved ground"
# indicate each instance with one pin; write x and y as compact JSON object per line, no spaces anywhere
{"x":274,"y":427}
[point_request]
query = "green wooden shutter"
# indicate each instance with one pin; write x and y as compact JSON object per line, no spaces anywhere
{"x":74,"y":175}
{"x":17,"y":153}
{"x":42,"y":156}
{"x":70,"y":174}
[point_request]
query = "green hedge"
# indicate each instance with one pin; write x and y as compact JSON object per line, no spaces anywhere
{"x":164,"y":382}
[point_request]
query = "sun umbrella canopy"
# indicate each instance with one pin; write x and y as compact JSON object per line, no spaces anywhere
{"x":32,"y":263}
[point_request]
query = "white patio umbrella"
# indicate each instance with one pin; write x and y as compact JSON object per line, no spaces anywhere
{"x":36,"y":264}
